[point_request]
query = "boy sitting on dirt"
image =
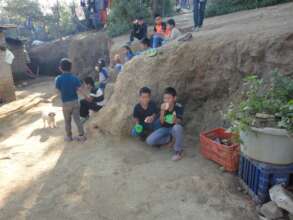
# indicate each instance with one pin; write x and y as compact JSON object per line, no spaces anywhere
{"x":68,"y":85}
{"x":103,"y":74}
{"x":118,"y":66}
{"x":174,"y":32}
{"x":139,"y":30}
{"x":144,"y":114}
{"x":171,"y":117}
{"x":158,"y":38}
{"x":93,"y":101}
{"x":128,"y":53}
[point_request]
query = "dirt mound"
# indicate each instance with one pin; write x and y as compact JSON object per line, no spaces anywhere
{"x":47,"y":56}
{"x":208,"y":70}
{"x":84,"y":50}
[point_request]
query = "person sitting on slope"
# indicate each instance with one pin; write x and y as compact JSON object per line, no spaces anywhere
{"x":144,"y":115}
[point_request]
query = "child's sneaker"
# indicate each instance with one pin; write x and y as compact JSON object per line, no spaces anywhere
{"x":80,"y":138}
{"x":68,"y":139}
{"x":185,"y":37}
{"x":177,"y":156}
{"x":195,"y":29}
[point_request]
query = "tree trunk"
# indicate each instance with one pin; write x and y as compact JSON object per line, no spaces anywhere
{"x":157,"y":7}
{"x":58,"y":19}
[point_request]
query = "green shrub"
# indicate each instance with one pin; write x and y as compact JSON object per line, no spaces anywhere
{"x":169,"y":6}
{"x":275,"y":100}
{"x":220,"y":7}
{"x":123,"y":12}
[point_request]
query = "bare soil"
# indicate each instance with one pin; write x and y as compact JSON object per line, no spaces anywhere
{"x":208,"y":70}
{"x":108,"y":178}
{"x":41,"y":177}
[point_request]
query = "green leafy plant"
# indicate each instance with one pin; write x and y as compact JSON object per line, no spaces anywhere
{"x":286,"y":116}
{"x":274,"y":101}
{"x":123,"y":12}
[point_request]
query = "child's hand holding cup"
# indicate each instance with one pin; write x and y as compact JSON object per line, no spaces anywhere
{"x":165,"y":106}
{"x":149,"y":119}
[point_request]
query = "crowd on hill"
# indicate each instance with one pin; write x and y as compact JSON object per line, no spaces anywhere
{"x":96,"y":12}
{"x":162,"y":33}
{"x":157,"y":126}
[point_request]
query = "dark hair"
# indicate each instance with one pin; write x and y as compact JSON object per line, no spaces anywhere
{"x":157,"y":15}
{"x":65,"y":64}
{"x":127,"y":48}
{"x":171,"y":22}
{"x":140,"y":18}
{"x":146,"y":42}
{"x":101,"y":63}
{"x":170,"y":91}
{"x":89,"y":81}
{"x":145,"y":90}
{"x":2,"y":47}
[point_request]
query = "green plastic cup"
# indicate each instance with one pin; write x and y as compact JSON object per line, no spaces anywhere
{"x":138,"y":128}
{"x":169,"y":118}
{"x":151,"y":52}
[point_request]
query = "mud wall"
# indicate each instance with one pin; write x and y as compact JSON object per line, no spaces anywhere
{"x":84,"y":50}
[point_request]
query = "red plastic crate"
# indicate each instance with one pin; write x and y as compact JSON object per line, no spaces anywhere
{"x":226,"y":156}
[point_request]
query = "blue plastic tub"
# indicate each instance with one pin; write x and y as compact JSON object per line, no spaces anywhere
{"x":259,"y":177}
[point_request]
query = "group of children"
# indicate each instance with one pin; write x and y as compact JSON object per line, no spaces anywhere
{"x":166,"y":31}
{"x":95,"y":12}
{"x":163,"y":32}
{"x":69,"y":86}
{"x":159,"y":127}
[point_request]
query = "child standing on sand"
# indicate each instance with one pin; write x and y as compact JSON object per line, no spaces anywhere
{"x":68,"y":85}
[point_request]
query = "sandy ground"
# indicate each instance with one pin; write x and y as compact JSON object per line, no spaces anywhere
{"x":105,"y":178}
{"x":41,"y":177}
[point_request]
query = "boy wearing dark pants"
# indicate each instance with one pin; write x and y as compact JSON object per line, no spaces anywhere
{"x":171,"y":116}
{"x":94,"y":101}
{"x":144,"y":114}
{"x":68,"y":85}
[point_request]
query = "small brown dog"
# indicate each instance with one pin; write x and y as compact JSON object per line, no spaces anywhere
{"x":49,"y":119}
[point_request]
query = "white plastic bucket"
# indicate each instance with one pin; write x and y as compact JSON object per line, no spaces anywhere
{"x":269,"y":145}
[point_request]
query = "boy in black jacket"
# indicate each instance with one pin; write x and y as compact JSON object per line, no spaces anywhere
{"x":139,"y":30}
